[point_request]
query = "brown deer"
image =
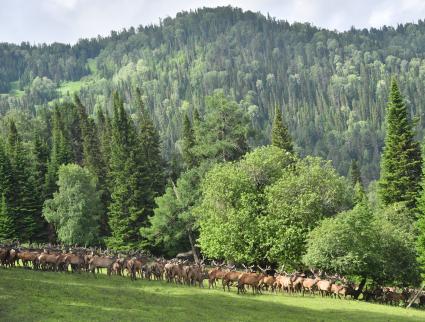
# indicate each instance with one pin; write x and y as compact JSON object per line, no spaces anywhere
{"x":229,"y":278}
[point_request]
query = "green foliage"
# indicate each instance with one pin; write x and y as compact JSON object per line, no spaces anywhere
{"x":60,"y":153}
{"x":188,"y":142}
{"x":23,"y":203}
{"x":222,"y":134}
{"x":297,"y":202}
{"x":232,"y":211}
{"x":346,"y":244}
{"x":280,"y":134}
{"x":151,"y":163}
{"x":333,"y":86}
{"x":354,"y":173}
{"x":174,"y":218}
{"x":7,"y":227}
{"x":75,"y":209}
{"x":41,"y":90}
{"x":357,"y":242}
{"x":401,"y":159}
{"x":136,"y":175}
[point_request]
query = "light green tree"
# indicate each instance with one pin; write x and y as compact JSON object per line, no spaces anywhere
{"x":75,"y":210}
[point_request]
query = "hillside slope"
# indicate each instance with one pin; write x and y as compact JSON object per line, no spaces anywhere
{"x":331,"y":86}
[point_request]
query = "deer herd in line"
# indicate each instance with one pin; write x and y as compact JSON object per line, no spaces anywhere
{"x":258,"y":279}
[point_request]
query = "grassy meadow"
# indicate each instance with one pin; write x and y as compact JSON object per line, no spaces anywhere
{"x":46,"y":296}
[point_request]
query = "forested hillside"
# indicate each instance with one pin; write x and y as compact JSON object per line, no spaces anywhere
{"x":331,"y":86}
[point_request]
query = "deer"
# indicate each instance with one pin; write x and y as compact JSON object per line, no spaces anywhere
{"x":229,"y":278}
{"x":268,"y":280}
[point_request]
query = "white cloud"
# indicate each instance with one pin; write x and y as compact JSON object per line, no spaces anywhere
{"x":68,"y":20}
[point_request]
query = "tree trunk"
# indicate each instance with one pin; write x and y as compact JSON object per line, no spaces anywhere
{"x":193,"y":247}
{"x":360,"y":288}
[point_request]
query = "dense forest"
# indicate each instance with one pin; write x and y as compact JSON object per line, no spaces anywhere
{"x":247,"y":138}
{"x":332,"y":86}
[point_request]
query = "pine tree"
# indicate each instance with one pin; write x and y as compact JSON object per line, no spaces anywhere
{"x":401,"y":159}
{"x":7,"y":231}
{"x":22,"y":202}
{"x":354,"y":173}
{"x":41,"y":158}
{"x":188,"y":142}
{"x":280,"y":134}
{"x":61,"y":153}
{"x":150,"y":162}
{"x":126,"y":211}
{"x":104,"y":130}
{"x":93,"y":159}
{"x":6,"y":218}
{"x":39,"y":170}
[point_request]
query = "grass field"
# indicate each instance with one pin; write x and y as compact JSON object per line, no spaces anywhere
{"x":46,"y":296}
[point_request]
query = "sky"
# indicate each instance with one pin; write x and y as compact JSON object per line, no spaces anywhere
{"x":38,"y":21}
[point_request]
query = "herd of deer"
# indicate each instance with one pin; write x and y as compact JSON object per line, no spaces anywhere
{"x":138,"y":265}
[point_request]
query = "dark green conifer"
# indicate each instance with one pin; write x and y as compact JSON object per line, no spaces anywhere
{"x":188,"y":142}
{"x":126,"y":210}
{"x":280,"y":134}
{"x":7,"y":227}
{"x":401,"y":159}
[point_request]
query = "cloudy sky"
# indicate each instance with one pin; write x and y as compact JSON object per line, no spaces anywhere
{"x":39,"y":21}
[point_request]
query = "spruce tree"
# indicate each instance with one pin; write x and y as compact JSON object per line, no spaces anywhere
{"x":7,"y":227}
{"x":39,"y":170}
{"x":188,"y":142}
{"x":23,"y":202}
{"x":354,"y":173}
{"x":280,"y":134}
{"x":60,"y":153}
{"x":93,"y":159}
{"x":126,"y":210}
{"x":401,"y":159}
{"x":150,"y":164}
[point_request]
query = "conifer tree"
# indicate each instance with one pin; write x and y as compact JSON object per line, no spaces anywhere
{"x":39,"y":170}
{"x":22,"y":203}
{"x":6,"y":218}
{"x":401,"y":158}
{"x":93,"y":159}
{"x":104,"y":131}
{"x":92,"y":154}
{"x":188,"y":142}
{"x":41,"y":158}
{"x":7,"y":231}
{"x":61,"y":152}
{"x":280,"y":134}
{"x":126,"y":212}
{"x":354,"y":173}
{"x":151,"y":164}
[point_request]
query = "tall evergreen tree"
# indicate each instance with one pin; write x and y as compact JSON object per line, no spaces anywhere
{"x":354,"y":173}
{"x":126,"y":210}
{"x":280,"y":134}
{"x":401,"y":159}
{"x":7,"y":230}
{"x":60,"y":153}
{"x":151,"y":164}
{"x":93,"y":159}
{"x":188,"y":142}
{"x":39,"y":170}
{"x":23,"y":201}
{"x":7,"y":227}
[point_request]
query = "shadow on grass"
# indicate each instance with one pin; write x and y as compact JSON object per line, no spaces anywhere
{"x":43,"y":296}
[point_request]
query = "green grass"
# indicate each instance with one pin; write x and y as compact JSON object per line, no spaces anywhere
{"x":46,"y":296}
{"x":14,"y":89}
{"x":70,"y":88}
